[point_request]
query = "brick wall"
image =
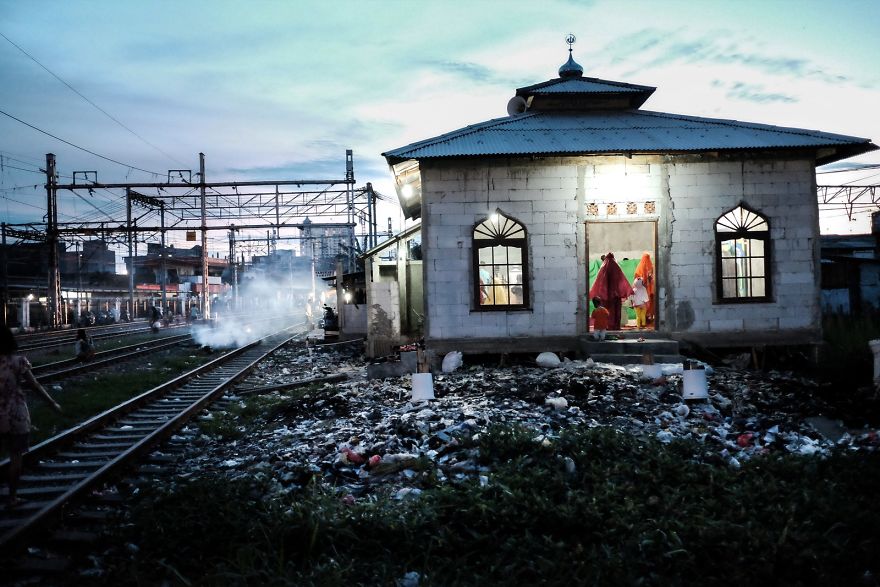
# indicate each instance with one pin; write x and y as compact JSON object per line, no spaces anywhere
{"x":549,"y":197}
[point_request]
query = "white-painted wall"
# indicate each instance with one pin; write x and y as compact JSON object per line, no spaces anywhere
{"x":550,"y":197}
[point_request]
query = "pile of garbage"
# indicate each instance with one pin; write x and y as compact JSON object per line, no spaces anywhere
{"x":366,"y":437}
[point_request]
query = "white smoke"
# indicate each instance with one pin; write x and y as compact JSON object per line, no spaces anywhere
{"x":264,"y":304}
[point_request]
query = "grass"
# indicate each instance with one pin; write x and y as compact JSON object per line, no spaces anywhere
{"x":255,"y":411}
{"x":43,"y":356}
{"x":629,"y":512}
{"x":846,"y":339}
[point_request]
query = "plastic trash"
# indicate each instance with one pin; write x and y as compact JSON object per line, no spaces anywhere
{"x":548,"y":360}
{"x":558,"y":403}
{"x":452,"y":361}
{"x":410,"y":579}
{"x":422,"y":387}
{"x":353,"y":457}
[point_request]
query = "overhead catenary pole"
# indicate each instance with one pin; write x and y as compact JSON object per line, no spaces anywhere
{"x":349,"y":194}
{"x":130,"y":255}
{"x":371,"y":208}
{"x":162,"y":256}
{"x":206,"y":298}
{"x":233,"y":266}
{"x":5,"y":301}
{"x":53,"y":292}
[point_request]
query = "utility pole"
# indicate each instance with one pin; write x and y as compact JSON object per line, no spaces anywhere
{"x":349,"y":194}
{"x":5,"y":300}
{"x":79,"y":282}
{"x":130,"y":255}
{"x":162,"y":256}
{"x":233,"y":266}
{"x":206,"y":298}
{"x":54,"y":286}
{"x":371,"y":208}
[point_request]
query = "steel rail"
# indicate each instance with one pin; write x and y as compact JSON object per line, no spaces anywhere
{"x":53,"y":338}
{"x":60,"y":369}
{"x":127,"y":431}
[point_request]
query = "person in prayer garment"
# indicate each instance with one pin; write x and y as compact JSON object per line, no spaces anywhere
{"x":611,"y":286}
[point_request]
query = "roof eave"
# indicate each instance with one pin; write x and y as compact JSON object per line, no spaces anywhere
{"x":822,"y":154}
{"x":825,"y":156}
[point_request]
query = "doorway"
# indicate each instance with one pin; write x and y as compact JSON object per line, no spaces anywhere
{"x":629,"y":241}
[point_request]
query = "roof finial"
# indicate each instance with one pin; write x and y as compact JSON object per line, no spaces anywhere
{"x":570,"y":68}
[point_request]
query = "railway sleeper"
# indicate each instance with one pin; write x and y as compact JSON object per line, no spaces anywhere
{"x":116,"y":438}
{"x":72,"y":465}
{"x":31,"y":478}
{"x":84,"y":446}
{"x":89,"y":455}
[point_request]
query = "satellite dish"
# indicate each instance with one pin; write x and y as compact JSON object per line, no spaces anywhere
{"x":516,"y":105}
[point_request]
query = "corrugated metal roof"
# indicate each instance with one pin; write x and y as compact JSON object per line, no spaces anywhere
{"x":631,"y":131}
{"x":395,"y":239}
{"x":581,"y":85}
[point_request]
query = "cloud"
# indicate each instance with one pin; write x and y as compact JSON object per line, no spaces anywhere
{"x":652,"y":48}
{"x":755,"y":93}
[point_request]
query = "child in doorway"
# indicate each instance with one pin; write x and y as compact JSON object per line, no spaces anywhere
{"x":600,"y":318}
{"x":640,"y":303}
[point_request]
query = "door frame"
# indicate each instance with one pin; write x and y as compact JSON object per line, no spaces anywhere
{"x":654,"y":224}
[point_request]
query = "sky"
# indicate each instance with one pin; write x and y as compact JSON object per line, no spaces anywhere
{"x":279,"y":90}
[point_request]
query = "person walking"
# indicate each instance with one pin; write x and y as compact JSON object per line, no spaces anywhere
{"x":15,"y":420}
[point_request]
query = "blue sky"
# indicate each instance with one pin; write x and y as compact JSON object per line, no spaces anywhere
{"x":280,"y":89}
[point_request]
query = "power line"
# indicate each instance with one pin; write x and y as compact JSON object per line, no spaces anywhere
{"x":859,"y":168}
{"x":8,"y":199}
{"x":77,"y":146}
{"x":77,"y":92}
{"x":22,"y":169}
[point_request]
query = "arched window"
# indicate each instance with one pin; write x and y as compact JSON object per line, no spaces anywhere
{"x":500,"y":264}
{"x":742,"y":250}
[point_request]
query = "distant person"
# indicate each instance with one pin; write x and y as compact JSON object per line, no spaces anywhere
{"x":84,"y":346}
{"x":155,"y":317}
{"x":15,"y":420}
{"x":600,"y":318}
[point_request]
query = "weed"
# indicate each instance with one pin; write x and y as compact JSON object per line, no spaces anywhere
{"x":630,"y":511}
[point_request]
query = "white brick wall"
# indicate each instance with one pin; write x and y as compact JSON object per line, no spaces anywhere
{"x":542,"y":195}
{"x":783,"y":192}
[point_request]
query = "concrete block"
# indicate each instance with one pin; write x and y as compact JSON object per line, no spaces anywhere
{"x":725,"y":325}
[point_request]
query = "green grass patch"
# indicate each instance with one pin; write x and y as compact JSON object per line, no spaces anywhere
{"x":629,"y":511}
{"x":61,"y":353}
{"x":846,"y":339}
{"x":253,"y":412}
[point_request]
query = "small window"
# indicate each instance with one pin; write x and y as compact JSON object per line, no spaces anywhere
{"x":742,"y":249}
{"x":500,"y":264}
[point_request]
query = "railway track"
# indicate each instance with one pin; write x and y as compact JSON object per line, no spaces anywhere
{"x":60,"y":369}
{"x":28,"y":343}
{"x":64,"y":469}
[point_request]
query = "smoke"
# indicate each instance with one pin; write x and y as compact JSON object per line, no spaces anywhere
{"x":265,"y":303}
